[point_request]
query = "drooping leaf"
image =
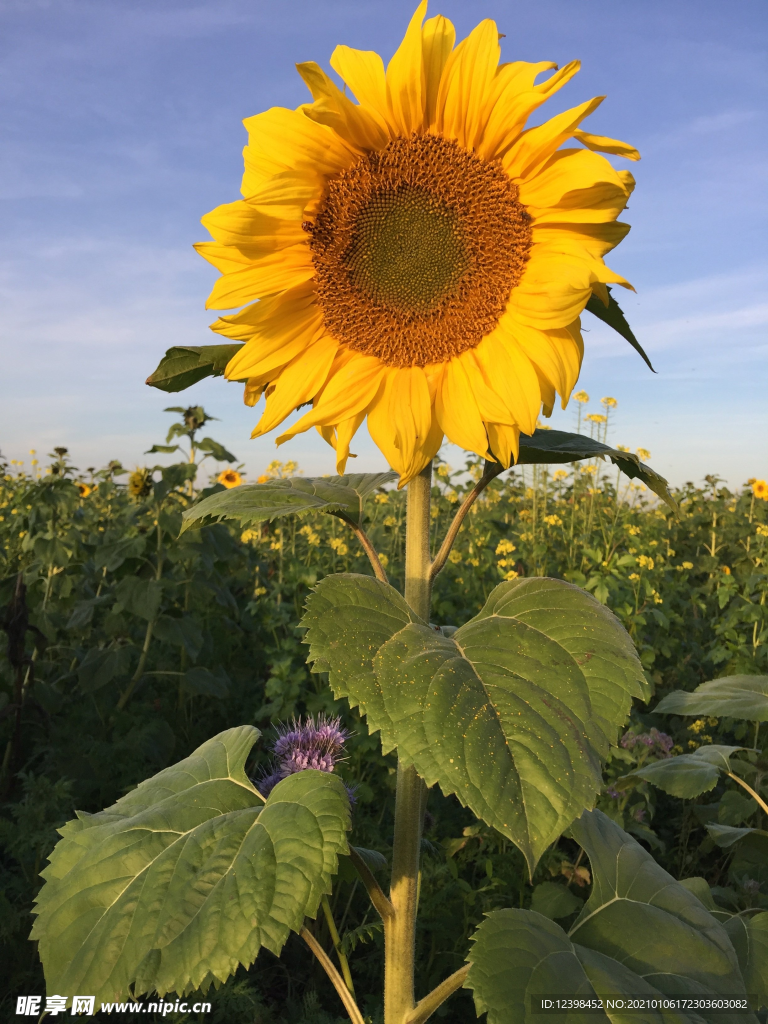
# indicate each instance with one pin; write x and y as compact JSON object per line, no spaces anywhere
{"x":139,"y":597}
{"x":554,"y":900}
{"x":750,"y":859}
{"x":688,"y":775}
{"x":187,"y":876}
{"x":749,"y":936}
{"x":639,"y":914}
{"x":640,"y":933}
{"x":258,"y":503}
{"x":554,"y":446}
{"x":218,"y":451}
{"x":512,"y":713}
{"x":202,"y":682}
{"x":185,"y":365}
{"x":727,"y":835}
{"x":613,"y":315}
{"x":111,"y":556}
{"x":732,"y":696}
{"x":101,"y":665}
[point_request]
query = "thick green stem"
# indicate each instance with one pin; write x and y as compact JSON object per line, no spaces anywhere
{"x":400,"y":928}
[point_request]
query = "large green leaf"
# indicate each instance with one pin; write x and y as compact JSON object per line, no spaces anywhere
{"x":257,"y":503}
{"x":613,"y":315}
{"x":726,"y":835}
{"x":554,"y":446}
{"x":187,"y":876}
{"x":184,"y":365}
{"x":688,"y":775}
{"x":732,"y":696}
{"x":640,"y":933}
{"x":749,"y":936}
{"x":512,"y":713}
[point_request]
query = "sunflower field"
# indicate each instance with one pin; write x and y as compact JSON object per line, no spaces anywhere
{"x":129,"y":645}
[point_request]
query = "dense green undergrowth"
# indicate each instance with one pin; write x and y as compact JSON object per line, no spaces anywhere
{"x":128,"y":646}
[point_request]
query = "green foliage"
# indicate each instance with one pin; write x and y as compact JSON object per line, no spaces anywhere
{"x":688,"y":775}
{"x":613,"y":315}
{"x":258,"y":503}
{"x":548,"y":447}
{"x":187,"y":876}
{"x":511,"y":713}
{"x":733,"y":696}
{"x":185,"y":365}
{"x":640,"y":933}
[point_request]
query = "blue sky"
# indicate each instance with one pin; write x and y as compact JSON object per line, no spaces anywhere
{"x":121,"y":126}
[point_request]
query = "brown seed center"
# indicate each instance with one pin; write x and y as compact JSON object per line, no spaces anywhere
{"x":416,"y":250}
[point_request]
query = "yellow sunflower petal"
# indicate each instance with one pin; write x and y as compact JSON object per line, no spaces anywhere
{"x":253,"y":392}
{"x":599,"y":204}
{"x":352,"y":386}
{"x":409,"y":436}
{"x":438,"y":38}
{"x":457,"y":410}
{"x":363,"y":71}
{"x":273,"y":273}
{"x":514,"y":98}
{"x":602,"y":144}
{"x":465,"y":84}
{"x":536,"y":145}
{"x":551,"y":294}
{"x":287,"y":139}
{"x":595,"y":239}
{"x":504,"y":442}
{"x":492,"y":407}
{"x":333,"y":108}
{"x":406,"y":86}
{"x":266,"y":316}
{"x":298,"y":383}
{"x":567,"y":170}
{"x":240,"y":224}
{"x":513,"y":376}
{"x":555,"y":354}
{"x":277,"y":343}
{"x":345,"y":431}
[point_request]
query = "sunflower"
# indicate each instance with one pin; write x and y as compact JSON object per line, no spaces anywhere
{"x":760,"y":489}
{"x":84,"y":490}
{"x":230,"y":478}
{"x":417,"y":257}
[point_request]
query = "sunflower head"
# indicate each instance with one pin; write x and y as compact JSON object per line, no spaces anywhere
{"x":84,"y":490}
{"x":416,"y":256}
{"x":230,"y":478}
{"x":140,"y":484}
{"x":760,"y":489}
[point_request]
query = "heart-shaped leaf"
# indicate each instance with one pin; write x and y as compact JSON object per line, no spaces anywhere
{"x":512,"y":713}
{"x":258,"y":503}
{"x":727,"y":835}
{"x":732,"y":696}
{"x":641,"y":933}
{"x":187,"y":876}
{"x":749,"y":936}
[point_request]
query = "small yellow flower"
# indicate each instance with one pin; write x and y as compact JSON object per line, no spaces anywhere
{"x":505,"y":547}
{"x":645,"y":562}
{"x":390,"y":521}
{"x":444,"y":471}
{"x":560,"y":474}
{"x":248,"y":535}
{"x":634,"y":576}
{"x":581,"y":396}
{"x":597,"y":417}
{"x":762,"y":531}
{"x":633,"y":531}
{"x":230,"y":478}
{"x":511,"y":575}
{"x":622,"y":448}
{"x":454,"y":557}
{"x":553,"y":520}
{"x":338,"y":546}
{"x":760,"y":489}
{"x":698,"y":726}
{"x":384,"y":560}
{"x":609,"y":403}
{"x":687,"y":565}
{"x":263,"y":479}
{"x":657,"y":598}
{"x":382,"y":499}
{"x":259,"y":591}
{"x":643,"y":454}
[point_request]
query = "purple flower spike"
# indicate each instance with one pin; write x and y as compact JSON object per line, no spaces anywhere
{"x":305,"y":744}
